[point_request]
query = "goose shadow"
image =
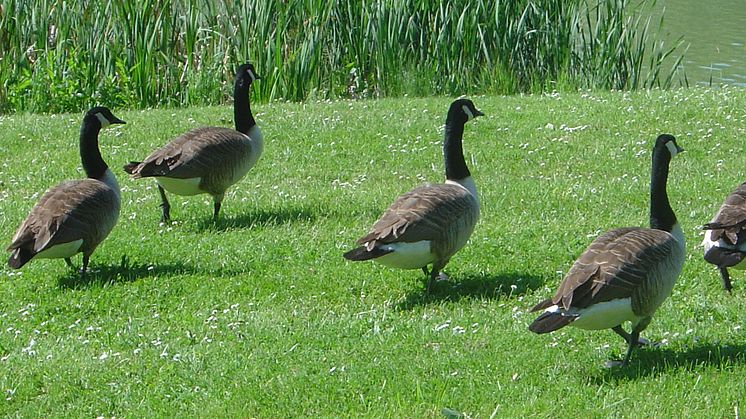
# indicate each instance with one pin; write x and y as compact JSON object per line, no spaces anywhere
{"x":474,"y":286}
{"x":258,"y":217}
{"x":647,"y":361}
{"x":119,"y":274}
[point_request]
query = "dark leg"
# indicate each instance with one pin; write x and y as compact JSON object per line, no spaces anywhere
{"x":425,"y":271}
{"x":621,"y":332}
{"x":84,"y":269}
{"x":215,"y":211}
{"x":726,"y":279}
{"x":165,"y":206}
{"x":217,"y":201}
{"x":626,"y":336}
{"x":435,"y":274}
{"x":69,"y":263}
{"x":635,"y":338}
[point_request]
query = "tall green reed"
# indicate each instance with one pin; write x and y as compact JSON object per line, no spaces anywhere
{"x":64,"y":56}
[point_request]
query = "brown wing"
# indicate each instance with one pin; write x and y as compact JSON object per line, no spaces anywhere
{"x":730,"y":220}
{"x":613,"y":266}
{"x":195,"y":154}
{"x":70,"y":211}
{"x":423,"y":213}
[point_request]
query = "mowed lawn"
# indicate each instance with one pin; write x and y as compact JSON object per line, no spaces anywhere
{"x":260,"y":316}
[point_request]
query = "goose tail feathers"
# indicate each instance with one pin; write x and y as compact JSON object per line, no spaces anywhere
{"x":130,"y":168}
{"x":713,"y":226}
{"x":361,"y":253}
{"x":19,"y":257}
{"x":550,"y":321}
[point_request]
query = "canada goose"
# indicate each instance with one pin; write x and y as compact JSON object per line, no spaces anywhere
{"x":430,"y":223}
{"x":77,"y":215}
{"x":725,"y":242}
{"x":624,"y":274}
{"x":209,"y":159}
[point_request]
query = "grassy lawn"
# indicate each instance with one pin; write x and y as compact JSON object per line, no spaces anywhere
{"x":259,"y":314}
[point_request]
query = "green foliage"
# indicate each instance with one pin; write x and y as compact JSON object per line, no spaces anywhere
{"x":138,"y":54}
{"x":260,"y":316}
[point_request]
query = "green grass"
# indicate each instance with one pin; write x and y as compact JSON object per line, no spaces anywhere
{"x":65,"y":56}
{"x":259,"y":315}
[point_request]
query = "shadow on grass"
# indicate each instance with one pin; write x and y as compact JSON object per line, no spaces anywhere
{"x":647,"y":361}
{"x":118,"y":274}
{"x":257,"y":217}
{"x":480,"y":286}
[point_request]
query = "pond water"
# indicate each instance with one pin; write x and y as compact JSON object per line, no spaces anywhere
{"x":715,"y":33}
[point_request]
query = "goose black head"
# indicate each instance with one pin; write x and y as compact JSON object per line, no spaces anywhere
{"x":246,"y":74}
{"x":463,"y":110}
{"x":668,"y":142}
{"x":104,"y":116}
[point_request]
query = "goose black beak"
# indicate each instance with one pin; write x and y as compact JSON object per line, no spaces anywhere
{"x":117,"y":121}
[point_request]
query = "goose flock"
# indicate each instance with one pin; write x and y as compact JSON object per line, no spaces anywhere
{"x":624,"y":275}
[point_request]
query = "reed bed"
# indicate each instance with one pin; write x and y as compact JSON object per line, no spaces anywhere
{"x":64,"y":56}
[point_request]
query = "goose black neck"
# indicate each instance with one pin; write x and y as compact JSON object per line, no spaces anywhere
{"x":242,"y":115}
{"x":662,"y":216}
{"x":93,"y":164}
{"x":453,"y":151}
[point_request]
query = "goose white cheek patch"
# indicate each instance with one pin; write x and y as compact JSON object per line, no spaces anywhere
{"x":672,"y":148}
{"x":104,"y":122}
{"x":468,"y":112}
{"x":252,"y":75}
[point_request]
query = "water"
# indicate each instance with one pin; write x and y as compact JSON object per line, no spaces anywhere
{"x":715,"y":32}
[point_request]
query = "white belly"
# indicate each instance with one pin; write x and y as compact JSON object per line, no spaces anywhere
{"x":603,"y":315}
{"x":184,"y":187}
{"x":407,"y":255}
{"x":63,"y":250}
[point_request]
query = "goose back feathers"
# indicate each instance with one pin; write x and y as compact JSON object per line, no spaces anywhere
{"x":625,"y":274}
{"x":74,"y":216}
{"x":209,"y":159}
{"x":430,"y":223}
{"x":630,"y":269}
{"x":725,"y":241}
{"x":195,"y":155}
{"x":442,"y":215}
